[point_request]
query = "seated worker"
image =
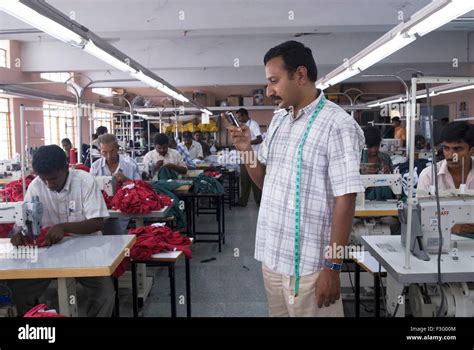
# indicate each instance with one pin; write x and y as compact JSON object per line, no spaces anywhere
{"x":72,"y":203}
{"x":163,"y":156}
{"x":67,"y":146}
{"x":181,"y":148}
{"x":123,"y":168}
{"x":382,"y":164}
{"x":457,"y":139}
{"x":206,"y":149}
{"x":194,"y":148}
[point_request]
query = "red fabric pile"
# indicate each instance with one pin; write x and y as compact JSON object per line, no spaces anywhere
{"x":213,"y":174}
{"x":42,"y":310}
{"x":13,"y":192}
{"x":80,"y":166}
{"x":108,"y":199}
{"x":138,"y":197}
{"x":152,"y":240}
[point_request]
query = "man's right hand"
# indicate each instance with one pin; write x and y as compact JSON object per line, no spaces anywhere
{"x":18,"y":239}
{"x":240,"y":138}
{"x":159,"y":164}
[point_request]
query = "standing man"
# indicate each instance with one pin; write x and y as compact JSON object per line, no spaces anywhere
{"x":72,"y":203}
{"x":163,"y":156}
{"x":308,"y":167}
{"x":246,"y":182}
{"x":399,"y":132}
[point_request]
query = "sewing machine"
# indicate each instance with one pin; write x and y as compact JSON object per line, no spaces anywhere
{"x":394,"y":181}
{"x":26,"y":215}
{"x":424,"y":234}
{"x":390,"y":145}
{"x":106,"y":184}
{"x":9,"y":169}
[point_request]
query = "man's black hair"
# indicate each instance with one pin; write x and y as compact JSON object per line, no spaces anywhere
{"x":372,"y":136}
{"x":161,"y":139}
{"x":458,"y":132}
{"x":49,"y":159}
{"x":188,"y":135}
{"x":294,"y":54}
{"x":101,"y":130}
{"x":243,"y":111}
{"x":66,"y":140}
{"x":396,"y":119}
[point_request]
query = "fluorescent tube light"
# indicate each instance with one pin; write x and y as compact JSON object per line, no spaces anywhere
{"x":443,"y":15}
{"x":102,"y":55}
{"x":24,"y":13}
{"x":372,"y":57}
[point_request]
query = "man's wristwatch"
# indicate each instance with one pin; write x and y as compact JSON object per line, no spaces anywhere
{"x":332,"y":266}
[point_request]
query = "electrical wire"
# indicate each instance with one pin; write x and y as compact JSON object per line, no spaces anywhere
{"x":366,"y":308}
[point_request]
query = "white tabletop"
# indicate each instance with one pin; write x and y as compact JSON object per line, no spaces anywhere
{"x":162,"y":213}
{"x":86,"y":256}
{"x":389,"y":251}
{"x":367,"y":262}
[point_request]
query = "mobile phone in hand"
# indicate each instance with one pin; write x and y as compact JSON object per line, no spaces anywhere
{"x":232,"y":119}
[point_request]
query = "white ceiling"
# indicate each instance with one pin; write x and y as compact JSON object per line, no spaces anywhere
{"x":200,"y":48}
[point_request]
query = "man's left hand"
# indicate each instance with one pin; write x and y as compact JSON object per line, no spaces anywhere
{"x":328,"y":288}
{"x":54,"y":235}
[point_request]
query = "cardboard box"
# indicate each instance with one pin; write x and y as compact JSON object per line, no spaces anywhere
{"x":248,"y":101}
{"x":205,"y":98}
{"x":201,"y":98}
{"x":234,"y":100}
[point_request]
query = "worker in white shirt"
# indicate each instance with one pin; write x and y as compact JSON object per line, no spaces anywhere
{"x":457,"y":142}
{"x":112,"y":163}
{"x":163,"y":156}
{"x":246,"y":182}
{"x":72,"y":203}
{"x":123,"y":168}
{"x":194,"y":148}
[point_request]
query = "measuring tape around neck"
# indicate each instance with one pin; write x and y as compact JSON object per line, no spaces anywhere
{"x":297,"y":254}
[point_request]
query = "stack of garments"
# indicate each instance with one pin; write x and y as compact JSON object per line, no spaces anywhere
{"x":154,"y":239}
{"x":138,"y":197}
{"x":13,"y":192}
{"x":206,"y":184}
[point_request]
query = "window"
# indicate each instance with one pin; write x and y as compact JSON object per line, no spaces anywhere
{"x":103,"y":118}
{"x":6,"y":138}
{"x":3,"y":58}
{"x":56,"y":77}
{"x":102,"y":91}
{"x":59,"y":122}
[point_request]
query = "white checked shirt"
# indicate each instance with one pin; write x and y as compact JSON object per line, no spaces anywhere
{"x":330,"y":168}
{"x":79,"y":200}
